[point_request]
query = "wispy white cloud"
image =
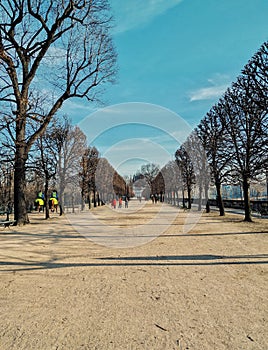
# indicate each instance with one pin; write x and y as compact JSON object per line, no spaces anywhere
{"x":78,"y":106}
{"x":132,"y":14}
{"x":219,"y":83}
{"x":208,"y":93}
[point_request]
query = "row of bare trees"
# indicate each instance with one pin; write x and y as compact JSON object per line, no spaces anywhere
{"x":50,"y":51}
{"x":55,"y":158}
{"x":61,"y":159}
{"x":234,"y":132}
{"x":100,"y":182}
{"x":229,"y":146}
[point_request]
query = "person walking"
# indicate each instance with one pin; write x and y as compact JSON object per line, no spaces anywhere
{"x":114,"y":203}
{"x":126,"y":202}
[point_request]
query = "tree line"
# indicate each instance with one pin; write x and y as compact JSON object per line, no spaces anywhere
{"x":61,"y":159}
{"x":50,"y":52}
{"x":53,"y":51}
{"x":229,"y":145}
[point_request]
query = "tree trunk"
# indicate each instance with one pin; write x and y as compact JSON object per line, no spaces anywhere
{"x":61,"y":195}
{"x":94,"y":198}
{"x":183,"y":199}
{"x":219,"y":198}
{"x":207,"y":200}
{"x":82,"y":201}
{"x":20,"y":208}
{"x":189,"y":197}
{"x":177,"y":198}
{"x":73,"y":208}
{"x":174,"y":197}
{"x":89,"y":200}
{"x":200,"y":199}
{"x":62,"y":184}
{"x":246,"y":187}
{"x":46,"y":200}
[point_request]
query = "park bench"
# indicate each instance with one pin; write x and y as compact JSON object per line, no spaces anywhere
{"x":7,"y":223}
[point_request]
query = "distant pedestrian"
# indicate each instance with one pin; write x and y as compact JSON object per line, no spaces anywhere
{"x":114,"y":203}
{"x":120,"y":203}
{"x":126,"y":202}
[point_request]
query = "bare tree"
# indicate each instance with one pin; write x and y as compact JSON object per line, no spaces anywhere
{"x":159,"y":185}
{"x":246,"y":125}
{"x":167,"y":182}
{"x":50,"y":51}
{"x":104,"y":180}
{"x":46,"y":165}
{"x":89,"y":166}
{"x":71,"y":147}
{"x":201,"y":168}
{"x":150,"y":171}
{"x":255,"y":75}
{"x":235,"y":131}
{"x":119,"y":184}
{"x":216,"y":142}
{"x":46,"y":161}
{"x":186,"y":167}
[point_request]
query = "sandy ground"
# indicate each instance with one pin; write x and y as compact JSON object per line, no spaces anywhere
{"x":199,"y":290}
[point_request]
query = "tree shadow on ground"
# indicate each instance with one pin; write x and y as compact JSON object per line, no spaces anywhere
{"x":169,"y":260}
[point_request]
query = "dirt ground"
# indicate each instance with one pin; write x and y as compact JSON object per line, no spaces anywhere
{"x":204,"y":289}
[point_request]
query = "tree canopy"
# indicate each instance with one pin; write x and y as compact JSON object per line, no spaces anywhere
{"x":50,"y":51}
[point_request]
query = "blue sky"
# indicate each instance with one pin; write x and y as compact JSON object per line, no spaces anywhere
{"x":180,"y":55}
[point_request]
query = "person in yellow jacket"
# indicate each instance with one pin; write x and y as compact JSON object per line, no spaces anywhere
{"x":39,"y":204}
{"x":54,"y":201}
